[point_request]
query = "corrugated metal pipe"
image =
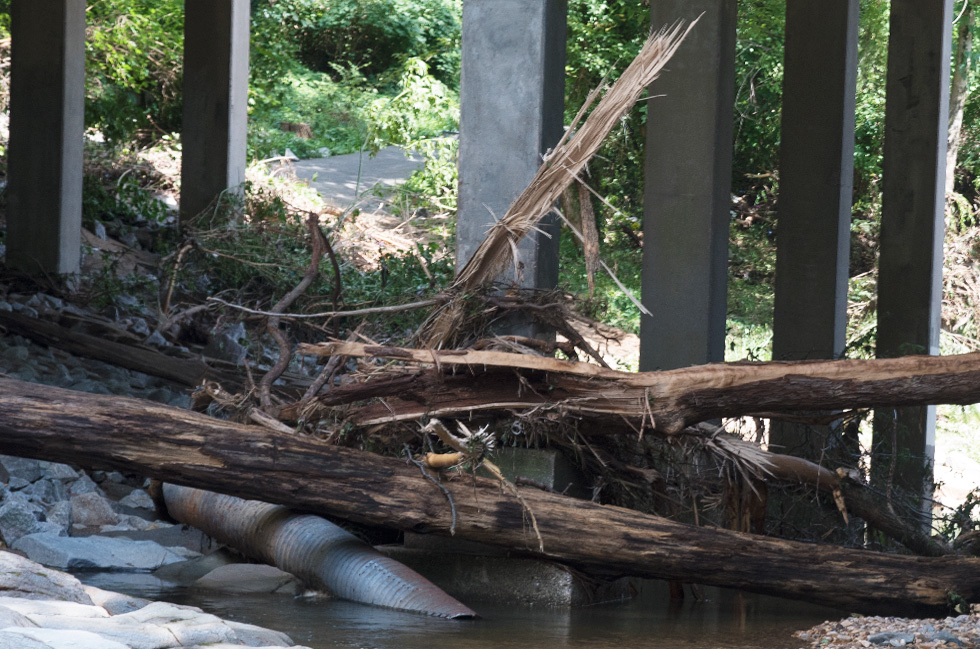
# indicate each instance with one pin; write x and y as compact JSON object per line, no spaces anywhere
{"x":315,"y":550}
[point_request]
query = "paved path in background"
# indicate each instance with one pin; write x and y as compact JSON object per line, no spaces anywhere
{"x":336,"y":177}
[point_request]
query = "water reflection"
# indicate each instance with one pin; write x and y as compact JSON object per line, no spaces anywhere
{"x":726,"y":620}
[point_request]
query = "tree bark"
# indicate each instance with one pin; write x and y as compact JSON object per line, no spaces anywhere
{"x":460,"y":383}
{"x":186,"y":448}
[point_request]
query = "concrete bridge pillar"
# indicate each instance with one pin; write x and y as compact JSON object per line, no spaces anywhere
{"x":512,"y":100}
{"x":912,"y":225}
{"x":816,"y":171}
{"x":47,"y":95}
{"x":216,"y":34}
{"x":688,"y":191}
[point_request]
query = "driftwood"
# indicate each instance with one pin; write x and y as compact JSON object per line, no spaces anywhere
{"x":462,"y":383}
{"x":186,"y":448}
{"x":120,"y":348}
{"x":561,"y":168}
{"x":185,"y":371}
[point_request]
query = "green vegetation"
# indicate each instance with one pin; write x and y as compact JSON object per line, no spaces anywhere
{"x":363,"y":74}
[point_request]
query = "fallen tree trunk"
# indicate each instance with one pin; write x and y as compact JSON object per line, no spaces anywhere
{"x":461,"y":383}
{"x":251,"y":462}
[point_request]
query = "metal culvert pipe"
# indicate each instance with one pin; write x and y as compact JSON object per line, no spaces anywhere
{"x":312,"y":548}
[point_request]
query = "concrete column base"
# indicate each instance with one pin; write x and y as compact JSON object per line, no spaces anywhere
{"x":475,"y":571}
{"x":508,"y":580}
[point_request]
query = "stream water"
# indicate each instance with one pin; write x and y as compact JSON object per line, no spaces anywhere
{"x":723,"y":620}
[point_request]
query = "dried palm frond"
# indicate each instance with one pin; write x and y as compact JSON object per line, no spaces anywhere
{"x":559,"y":170}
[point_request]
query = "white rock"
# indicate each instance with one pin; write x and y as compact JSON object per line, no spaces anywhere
{"x":49,"y":608}
{"x":62,"y":639}
{"x":10,"y":639}
{"x":115,"y":603}
{"x":10,"y":617}
{"x":120,"y":632}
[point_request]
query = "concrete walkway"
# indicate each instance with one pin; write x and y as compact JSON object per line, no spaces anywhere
{"x":350,"y":180}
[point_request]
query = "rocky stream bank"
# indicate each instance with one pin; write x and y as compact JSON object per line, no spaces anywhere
{"x":55,"y":517}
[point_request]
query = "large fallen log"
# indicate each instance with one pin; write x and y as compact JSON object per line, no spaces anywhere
{"x":251,"y":462}
{"x":460,"y":383}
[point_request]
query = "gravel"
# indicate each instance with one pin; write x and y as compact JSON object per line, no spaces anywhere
{"x":859,"y":632}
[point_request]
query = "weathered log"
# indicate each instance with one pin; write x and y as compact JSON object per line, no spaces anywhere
{"x":461,"y":382}
{"x":247,"y":461}
{"x":183,"y":368}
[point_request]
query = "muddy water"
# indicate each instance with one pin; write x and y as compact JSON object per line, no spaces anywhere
{"x":725,"y":620}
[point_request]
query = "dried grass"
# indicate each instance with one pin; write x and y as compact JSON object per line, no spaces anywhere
{"x":560,"y":168}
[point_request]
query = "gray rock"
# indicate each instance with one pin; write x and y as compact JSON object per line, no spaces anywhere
{"x":20,"y":577}
{"x":139,"y":327}
{"x":24,"y":310}
{"x":892,"y":638}
{"x":256,"y":636}
{"x":25,"y":373}
{"x":157,"y":339}
{"x":171,"y":535}
{"x":85,"y":385}
{"x":98,"y":552}
{"x":99,"y":230}
{"x":18,"y":519}
{"x":249,"y":578}
{"x":180,"y":401}
{"x":19,"y":467}
{"x":947,"y":637}
{"x":118,"y":385}
{"x":16,"y":354}
{"x":186,"y":572}
{"x":128,"y":523}
{"x":42,"y":300}
{"x":184,"y":552}
{"x":10,"y":617}
{"x":91,"y":509}
{"x":84,"y":485}
{"x":160,"y":395}
{"x":58,"y":471}
{"x":16,"y":484}
{"x":47,"y":527}
{"x":115,"y":476}
{"x":127,"y":300}
{"x":46,"y":491}
{"x":138,"y":498}
{"x":130,"y":240}
{"x":226,"y":343}
{"x":60,"y":514}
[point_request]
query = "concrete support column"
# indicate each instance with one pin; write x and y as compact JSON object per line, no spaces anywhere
{"x":688,"y":190}
{"x":815,"y":186}
{"x":47,"y":122}
{"x":911,"y":241}
{"x":215,"y":91}
{"x":512,"y":99}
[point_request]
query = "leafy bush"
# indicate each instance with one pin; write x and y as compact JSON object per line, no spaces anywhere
{"x":369,"y":35}
{"x":134,"y":58}
{"x":413,"y":95}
